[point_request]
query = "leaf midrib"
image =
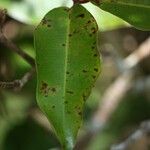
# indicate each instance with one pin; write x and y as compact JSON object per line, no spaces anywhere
{"x":65,"y":66}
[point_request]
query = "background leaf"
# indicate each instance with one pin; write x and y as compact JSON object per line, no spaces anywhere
{"x":67,"y":67}
{"x":136,"y":12}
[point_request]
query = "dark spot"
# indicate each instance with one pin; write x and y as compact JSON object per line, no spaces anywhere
{"x":44,"y":85}
{"x":76,"y":107}
{"x":81,"y":16}
{"x":44,"y":89}
{"x":89,"y":21}
{"x":80,"y":113}
{"x":49,"y":25}
{"x":95,"y":69}
{"x":66,"y":102}
{"x":95,"y":55}
{"x":90,"y":35}
{"x":70,"y":92}
{"x":93,"y":47}
{"x":84,"y":97}
{"x":66,"y":9}
{"x":93,"y":76}
{"x":63,"y":44}
{"x":94,"y":43}
{"x":84,"y":71}
{"x":53,"y":89}
{"x":53,"y":106}
{"x":44,"y":21}
{"x":67,"y":72}
{"x":93,"y":20}
{"x":70,"y":35}
{"x":93,"y":30}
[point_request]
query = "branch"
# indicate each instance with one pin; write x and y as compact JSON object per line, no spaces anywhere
{"x":2,"y":17}
{"x":80,"y":1}
{"x":9,"y":44}
{"x":143,"y":130}
{"x":114,"y":94}
{"x":18,"y":84}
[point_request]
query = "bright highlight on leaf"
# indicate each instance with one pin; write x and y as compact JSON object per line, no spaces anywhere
{"x":135,"y":12}
{"x":67,"y":67}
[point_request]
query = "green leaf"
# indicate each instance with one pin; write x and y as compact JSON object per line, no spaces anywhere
{"x":67,"y":67}
{"x":135,"y":12}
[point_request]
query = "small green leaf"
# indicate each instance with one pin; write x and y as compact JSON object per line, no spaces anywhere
{"x":136,"y":12}
{"x":67,"y":67}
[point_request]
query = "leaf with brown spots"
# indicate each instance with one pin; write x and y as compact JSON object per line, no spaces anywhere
{"x":66,"y":72}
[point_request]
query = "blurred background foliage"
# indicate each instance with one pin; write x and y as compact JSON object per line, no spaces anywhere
{"x":22,"y":125}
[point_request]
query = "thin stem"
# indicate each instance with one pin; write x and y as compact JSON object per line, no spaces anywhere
{"x":80,"y":1}
{"x":18,"y":84}
{"x":9,"y":44}
{"x":142,"y":131}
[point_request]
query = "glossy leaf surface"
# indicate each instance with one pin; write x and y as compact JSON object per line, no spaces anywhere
{"x":135,"y":12}
{"x":67,"y":67}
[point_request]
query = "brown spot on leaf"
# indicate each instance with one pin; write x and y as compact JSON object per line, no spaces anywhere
{"x":63,"y":44}
{"x":67,"y":72}
{"x":90,"y":35}
{"x":66,"y":102}
{"x":93,"y":76}
{"x":95,"y":55}
{"x":70,"y":92}
{"x":93,"y":30}
{"x":46,"y":22}
{"x":89,"y":22}
{"x":70,"y":35}
{"x":84,"y":71}
{"x":44,"y":89}
{"x":94,"y":43}
{"x":78,"y":108}
{"x":66,"y":9}
{"x":53,"y":89}
{"x":80,"y":113}
{"x":53,"y":106}
{"x":93,"y":47}
{"x":81,"y":16}
{"x":96,"y":69}
{"x":49,"y":25}
{"x":84,"y":97}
